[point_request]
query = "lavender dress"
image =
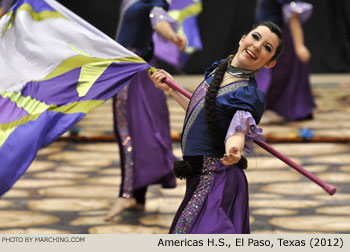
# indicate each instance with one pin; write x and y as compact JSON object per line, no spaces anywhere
{"x":287,"y":85}
{"x":141,"y":117}
{"x":216,"y":199}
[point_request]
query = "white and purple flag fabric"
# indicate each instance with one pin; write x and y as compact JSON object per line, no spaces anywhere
{"x":54,"y":68}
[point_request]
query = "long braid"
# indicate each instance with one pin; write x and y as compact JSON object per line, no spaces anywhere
{"x":210,"y":103}
{"x":210,"y":110}
{"x":182,"y":168}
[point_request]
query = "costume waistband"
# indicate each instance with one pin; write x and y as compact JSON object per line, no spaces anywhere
{"x":197,"y":161}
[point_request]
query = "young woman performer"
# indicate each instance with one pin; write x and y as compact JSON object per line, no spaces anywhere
{"x":221,"y":117}
{"x":287,"y":86}
{"x":141,"y":124}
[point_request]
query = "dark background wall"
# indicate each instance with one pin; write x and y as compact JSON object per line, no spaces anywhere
{"x":222,"y":22}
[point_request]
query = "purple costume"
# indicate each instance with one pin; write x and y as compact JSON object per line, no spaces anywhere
{"x":187,"y":27}
{"x":287,"y":85}
{"x":216,"y":199}
{"x":141,"y":117}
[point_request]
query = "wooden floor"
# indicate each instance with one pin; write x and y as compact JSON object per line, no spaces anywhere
{"x":69,"y":186}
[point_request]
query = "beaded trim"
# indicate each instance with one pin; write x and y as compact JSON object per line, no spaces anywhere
{"x":199,"y":196}
{"x":123,"y":129}
{"x":198,"y":94}
{"x":200,"y":105}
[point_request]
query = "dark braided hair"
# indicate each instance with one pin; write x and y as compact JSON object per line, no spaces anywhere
{"x":210,"y":103}
{"x":210,"y":97}
{"x":182,"y":169}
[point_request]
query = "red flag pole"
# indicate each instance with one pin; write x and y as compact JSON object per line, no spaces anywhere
{"x":327,"y":187}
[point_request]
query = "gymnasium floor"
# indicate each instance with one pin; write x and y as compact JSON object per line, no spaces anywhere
{"x":69,"y":186}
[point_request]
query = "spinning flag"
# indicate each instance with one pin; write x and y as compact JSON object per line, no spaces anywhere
{"x":54,"y":68}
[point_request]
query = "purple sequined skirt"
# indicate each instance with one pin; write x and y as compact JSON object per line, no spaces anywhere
{"x":216,"y":200}
{"x":142,"y":123}
{"x":287,"y":86}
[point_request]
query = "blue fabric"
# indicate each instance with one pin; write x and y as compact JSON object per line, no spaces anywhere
{"x":136,"y":30}
{"x":248,"y":98}
{"x":38,"y":6}
{"x":271,"y":10}
{"x":210,"y":69}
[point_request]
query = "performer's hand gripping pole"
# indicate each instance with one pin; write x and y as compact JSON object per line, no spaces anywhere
{"x":327,"y":187}
{"x":172,"y":84}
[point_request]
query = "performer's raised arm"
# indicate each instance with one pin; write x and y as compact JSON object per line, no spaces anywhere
{"x":298,"y":38}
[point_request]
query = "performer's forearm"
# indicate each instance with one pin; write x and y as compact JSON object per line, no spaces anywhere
{"x":296,"y":30}
{"x":237,"y":140}
{"x":164,"y":29}
{"x":181,"y":100}
{"x":298,"y":38}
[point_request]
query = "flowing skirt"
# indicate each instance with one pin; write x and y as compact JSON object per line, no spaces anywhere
{"x":141,"y":121}
{"x":216,"y":200}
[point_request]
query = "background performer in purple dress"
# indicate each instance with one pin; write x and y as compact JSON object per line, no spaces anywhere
{"x":220,"y":120}
{"x":287,"y":86}
{"x":141,"y":117}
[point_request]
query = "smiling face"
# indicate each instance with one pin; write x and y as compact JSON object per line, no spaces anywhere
{"x":256,"y":49}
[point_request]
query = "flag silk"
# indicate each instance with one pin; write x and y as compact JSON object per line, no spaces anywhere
{"x":54,"y":68}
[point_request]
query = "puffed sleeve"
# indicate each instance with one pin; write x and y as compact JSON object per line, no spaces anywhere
{"x":303,"y":9}
{"x":248,"y":98}
{"x":159,"y":14}
{"x":244,"y":122}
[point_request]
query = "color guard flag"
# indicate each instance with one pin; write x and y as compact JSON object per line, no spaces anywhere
{"x":54,"y":68}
